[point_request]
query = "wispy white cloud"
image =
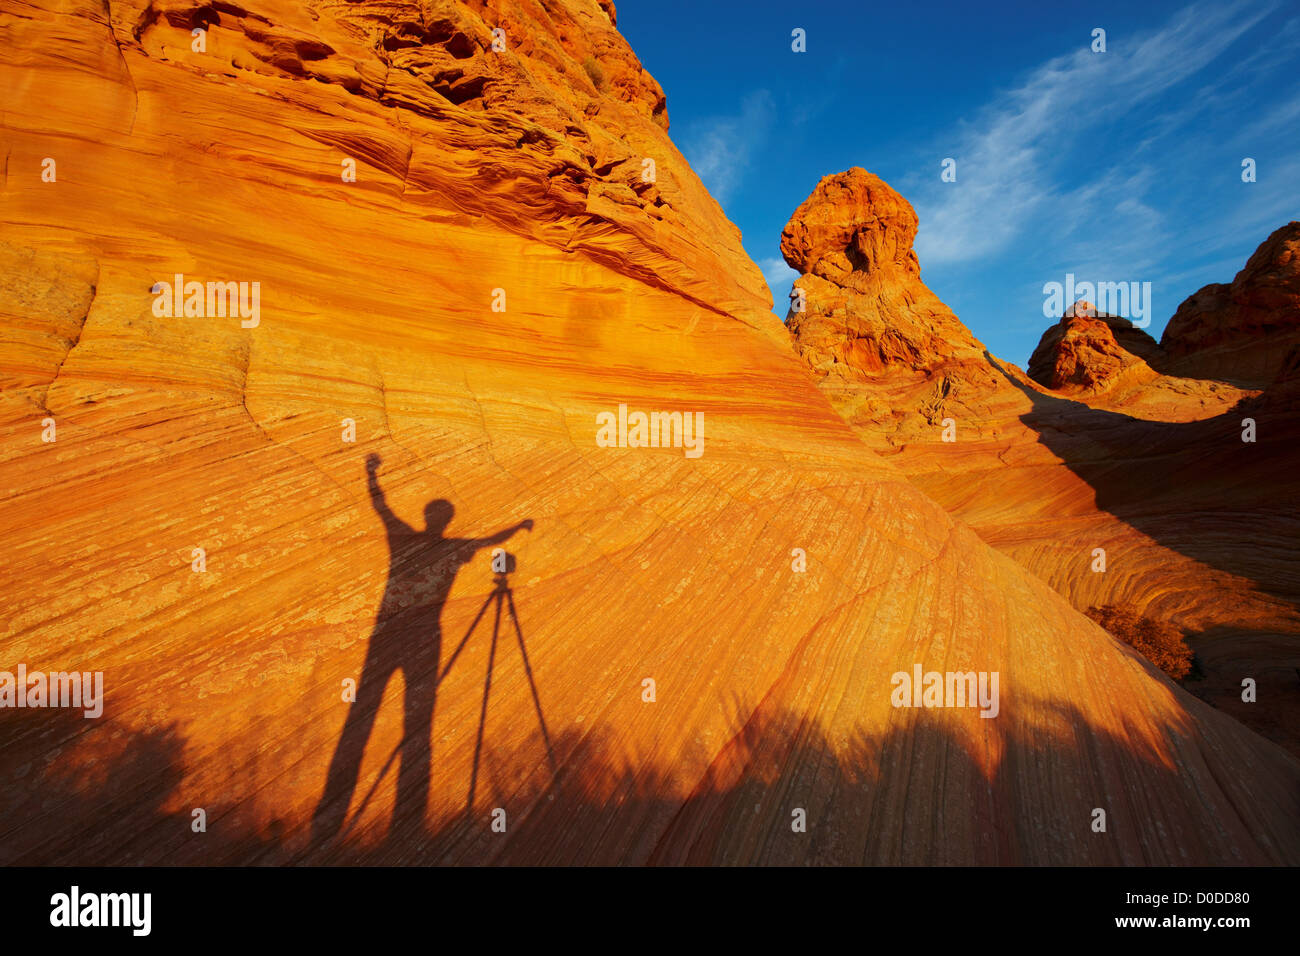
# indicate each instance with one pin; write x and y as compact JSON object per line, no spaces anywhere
{"x":1283,"y":116}
{"x":780,"y":277}
{"x":776,"y":271}
{"x":721,"y":148}
{"x":1263,"y":207}
{"x":1277,"y":49}
{"x":1010,"y":155}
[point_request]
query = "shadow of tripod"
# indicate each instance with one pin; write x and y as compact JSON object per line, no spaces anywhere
{"x":503,"y":564}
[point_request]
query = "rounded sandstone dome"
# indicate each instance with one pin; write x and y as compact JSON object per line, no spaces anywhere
{"x":853,"y":222}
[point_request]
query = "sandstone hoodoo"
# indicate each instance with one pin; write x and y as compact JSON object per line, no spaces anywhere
{"x":853,"y":226}
{"x":364,"y":581}
{"x":1105,"y":471}
{"x":1246,"y":331}
{"x":862,"y":318}
{"x":1088,"y":350}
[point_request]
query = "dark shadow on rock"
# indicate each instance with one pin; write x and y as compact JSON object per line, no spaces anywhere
{"x":407,"y":637}
{"x":1193,"y":487}
{"x":1269,"y":658}
{"x":781,"y":792}
{"x":915,"y":795}
{"x":79,"y":790}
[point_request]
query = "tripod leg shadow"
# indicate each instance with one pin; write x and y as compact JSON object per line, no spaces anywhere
{"x":414,"y":748}
{"x":532,"y":684}
{"x":503,"y":594}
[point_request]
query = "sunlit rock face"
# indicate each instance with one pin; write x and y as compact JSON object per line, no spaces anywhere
{"x":1088,"y":352}
{"x":1247,"y":330}
{"x":1106,"y":455}
{"x":272,"y":526}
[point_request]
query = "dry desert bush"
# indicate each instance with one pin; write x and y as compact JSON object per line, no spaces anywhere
{"x":1158,"y":641}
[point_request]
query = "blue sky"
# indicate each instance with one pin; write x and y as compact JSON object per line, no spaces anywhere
{"x":1115,"y":166}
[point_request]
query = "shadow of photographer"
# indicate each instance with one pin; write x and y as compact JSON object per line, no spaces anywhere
{"x":407,"y":637}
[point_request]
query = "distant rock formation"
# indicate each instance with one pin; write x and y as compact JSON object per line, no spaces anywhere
{"x":1246,"y":331}
{"x":862,"y":318}
{"x":1087,"y":351}
{"x":1105,"y":473}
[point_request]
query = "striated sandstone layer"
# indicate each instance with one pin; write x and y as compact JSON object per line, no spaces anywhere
{"x":691,"y":648}
{"x":1117,"y":453}
{"x":1247,"y":331}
